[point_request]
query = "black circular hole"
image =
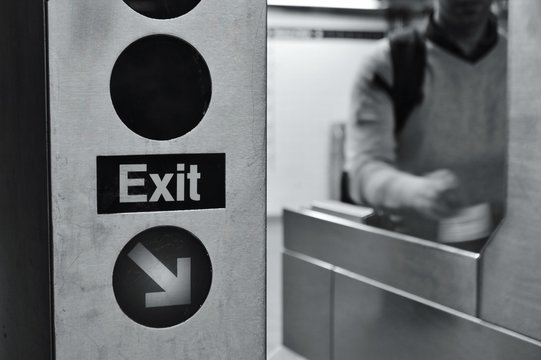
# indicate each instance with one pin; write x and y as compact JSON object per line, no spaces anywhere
{"x":162,"y":277}
{"x":162,"y":9}
{"x":160,"y":87}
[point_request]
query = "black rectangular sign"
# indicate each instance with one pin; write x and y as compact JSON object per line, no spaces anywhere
{"x":142,"y":183}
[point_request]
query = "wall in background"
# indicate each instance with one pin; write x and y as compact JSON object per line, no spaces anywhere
{"x":312,"y":62}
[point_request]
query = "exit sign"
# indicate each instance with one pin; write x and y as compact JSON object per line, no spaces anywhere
{"x":143,"y":183}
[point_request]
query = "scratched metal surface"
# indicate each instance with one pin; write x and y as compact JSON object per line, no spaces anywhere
{"x":85,"y":39}
{"x":511,"y":273}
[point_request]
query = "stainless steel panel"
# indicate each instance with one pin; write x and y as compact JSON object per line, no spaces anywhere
{"x":376,"y":322}
{"x":307,"y":307}
{"x":25,"y":319}
{"x":511,"y":271}
{"x":436,"y":272}
{"x":85,"y":39}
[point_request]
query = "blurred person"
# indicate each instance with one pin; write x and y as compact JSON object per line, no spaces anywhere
{"x":449,"y":152}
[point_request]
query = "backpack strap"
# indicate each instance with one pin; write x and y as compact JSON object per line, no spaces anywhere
{"x":408,"y":56}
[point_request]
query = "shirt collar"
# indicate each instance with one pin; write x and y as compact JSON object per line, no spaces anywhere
{"x":437,"y":35}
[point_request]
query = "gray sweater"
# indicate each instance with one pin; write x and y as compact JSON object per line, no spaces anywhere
{"x":461,"y":125}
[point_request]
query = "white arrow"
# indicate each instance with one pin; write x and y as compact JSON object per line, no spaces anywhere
{"x":177,"y":289}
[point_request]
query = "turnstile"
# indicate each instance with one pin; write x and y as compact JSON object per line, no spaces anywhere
{"x":353,"y":291}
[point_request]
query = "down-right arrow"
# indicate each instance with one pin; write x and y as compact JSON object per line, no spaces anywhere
{"x":177,"y":289}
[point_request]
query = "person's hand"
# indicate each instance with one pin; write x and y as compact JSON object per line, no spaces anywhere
{"x":434,"y":195}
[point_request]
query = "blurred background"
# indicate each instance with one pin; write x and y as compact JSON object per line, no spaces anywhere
{"x":314,"y":51}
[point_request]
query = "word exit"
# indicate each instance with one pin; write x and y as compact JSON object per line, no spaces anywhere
{"x":128,"y":179}
{"x":143,"y":183}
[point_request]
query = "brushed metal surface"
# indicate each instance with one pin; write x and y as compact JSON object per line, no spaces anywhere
{"x":85,"y":39}
{"x":25,"y":320}
{"x":307,"y":307}
{"x":511,"y":271}
{"x":376,"y":322}
{"x":433,"y":271}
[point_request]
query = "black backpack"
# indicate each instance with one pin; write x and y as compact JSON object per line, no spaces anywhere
{"x":408,"y":57}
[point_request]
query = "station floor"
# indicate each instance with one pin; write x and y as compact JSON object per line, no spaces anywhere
{"x":275,"y":350}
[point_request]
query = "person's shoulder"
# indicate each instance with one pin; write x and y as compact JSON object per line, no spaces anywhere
{"x":380,"y":52}
{"x":377,"y":62}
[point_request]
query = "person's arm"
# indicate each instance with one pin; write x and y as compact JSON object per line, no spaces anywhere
{"x":371,"y":152}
